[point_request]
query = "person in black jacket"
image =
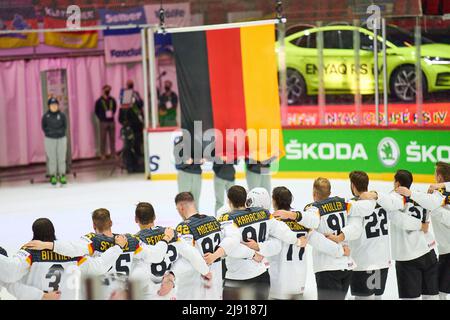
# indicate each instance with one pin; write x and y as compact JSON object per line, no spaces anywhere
{"x":105,"y":109}
{"x":54,"y":125}
{"x":131,"y":117}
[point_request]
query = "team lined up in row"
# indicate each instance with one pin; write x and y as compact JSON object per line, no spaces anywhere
{"x":264,"y":253}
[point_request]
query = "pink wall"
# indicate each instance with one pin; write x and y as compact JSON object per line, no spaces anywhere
{"x":21,"y":137}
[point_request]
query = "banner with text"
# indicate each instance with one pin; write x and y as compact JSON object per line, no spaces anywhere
{"x":176,"y":14}
{"x":374,"y":150}
{"x":123,"y":45}
{"x":57,"y":18}
{"x":18,"y":19}
{"x":433,"y":114}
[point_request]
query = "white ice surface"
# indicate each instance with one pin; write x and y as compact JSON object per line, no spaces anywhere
{"x":70,"y":207}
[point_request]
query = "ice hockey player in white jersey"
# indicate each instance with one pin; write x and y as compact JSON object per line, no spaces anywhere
{"x":19,"y":290}
{"x":96,"y":243}
{"x":438,"y":202}
{"x":416,"y":264}
{"x":287,"y":269}
{"x":328,"y":216}
{"x":52,"y":272}
{"x":287,"y":262}
{"x":212,"y":240}
{"x":256,"y":225}
{"x":371,"y":251}
{"x":163,"y":276}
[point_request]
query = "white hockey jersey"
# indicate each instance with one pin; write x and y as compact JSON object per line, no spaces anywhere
{"x":439,"y":205}
{"x":50,"y":271}
{"x":180,"y":256}
{"x":288,"y":269}
{"x":117,"y":273}
{"x":408,"y":242}
{"x":207,"y":234}
{"x":329,"y":216}
{"x":371,"y":250}
{"x":259,"y":225}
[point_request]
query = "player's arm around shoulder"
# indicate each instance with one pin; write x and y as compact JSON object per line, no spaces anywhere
{"x":100,"y":265}
{"x":321,"y":243}
{"x":231,"y":236}
{"x":270,"y":247}
{"x":24,"y":292}
{"x":13,"y":268}
{"x":157,"y":252}
{"x":190,"y":253}
{"x":361,"y":208}
{"x":353,"y":229}
{"x":309,"y":217}
{"x":278,"y":229}
{"x":78,"y":248}
{"x":429,"y":201}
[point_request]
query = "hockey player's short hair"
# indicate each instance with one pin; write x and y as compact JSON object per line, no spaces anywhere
{"x":184,"y":197}
{"x":322,"y":187}
{"x":404,"y":178}
{"x":101,"y":219}
{"x":282,"y":198}
{"x":237,"y":196}
{"x":145,"y":213}
{"x":443,"y":169}
{"x":360,"y":180}
{"x":43,"y":230}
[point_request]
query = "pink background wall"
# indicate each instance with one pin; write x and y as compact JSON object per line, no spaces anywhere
{"x":21,"y":137}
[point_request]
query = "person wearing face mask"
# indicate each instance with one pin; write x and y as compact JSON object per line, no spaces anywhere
{"x":167,"y":106}
{"x":105,"y":109}
{"x":54,"y":125}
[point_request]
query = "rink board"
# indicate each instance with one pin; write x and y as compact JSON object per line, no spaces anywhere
{"x":331,"y":152}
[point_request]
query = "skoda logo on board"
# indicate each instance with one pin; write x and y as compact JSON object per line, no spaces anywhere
{"x":388,"y":152}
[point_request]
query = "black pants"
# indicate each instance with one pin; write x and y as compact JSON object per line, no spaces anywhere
{"x":250,"y":289}
{"x":132,"y":149}
{"x":444,"y":273}
{"x":333,"y":285}
{"x":418,"y":277}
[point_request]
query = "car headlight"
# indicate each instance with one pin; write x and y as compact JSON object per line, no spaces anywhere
{"x":436,"y":60}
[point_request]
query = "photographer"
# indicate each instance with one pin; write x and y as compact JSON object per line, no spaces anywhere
{"x":132,"y":119}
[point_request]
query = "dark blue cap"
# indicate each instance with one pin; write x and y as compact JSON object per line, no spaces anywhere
{"x":52,"y":101}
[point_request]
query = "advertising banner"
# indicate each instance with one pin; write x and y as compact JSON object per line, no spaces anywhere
{"x":57,"y":18}
{"x":371,"y":150}
{"x":433,"y":115}
{"x":176,"y":14}
{"x":18,"y":19}
{"x":123,"y":45}
{"x":161,"y":160}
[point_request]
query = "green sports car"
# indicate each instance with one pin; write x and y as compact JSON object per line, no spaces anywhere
{"x":339,"y":63}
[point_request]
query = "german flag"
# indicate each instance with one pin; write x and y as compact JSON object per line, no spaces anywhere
{"x":227,"y":79}
{"x":57,"y":18}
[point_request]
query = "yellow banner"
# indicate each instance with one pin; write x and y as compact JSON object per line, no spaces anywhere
{"x":18,"y":40}
{"x":73,"y":40}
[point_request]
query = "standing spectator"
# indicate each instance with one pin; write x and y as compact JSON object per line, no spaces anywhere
{"x":54,"y":125}
{"x":258,"y":175}
{"x":224,"y":176}
{"x":189,"y":177}
{"x":167,"y":106}
{"x":105,"y":109}
{"x":132,"y":119}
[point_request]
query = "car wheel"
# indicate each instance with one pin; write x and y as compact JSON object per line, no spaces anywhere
{"x":403,"y":83}
{"x":296,"y":87}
